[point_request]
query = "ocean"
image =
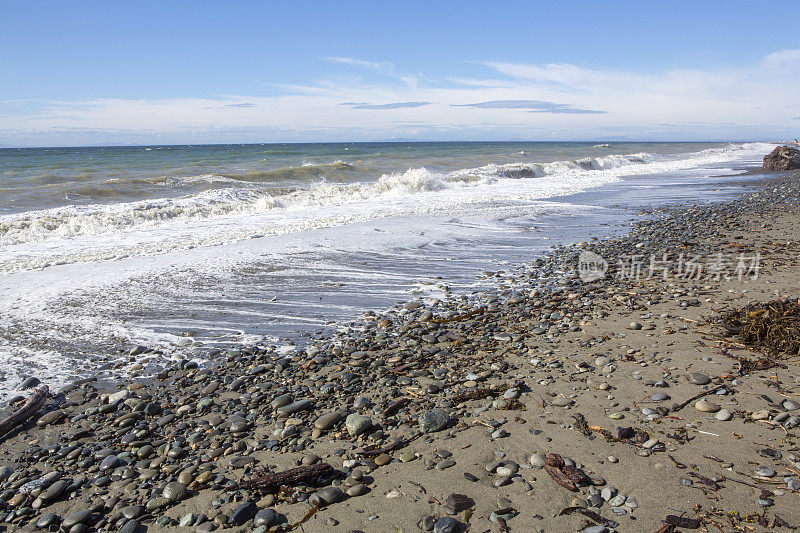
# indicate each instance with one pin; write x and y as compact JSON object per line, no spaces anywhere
{"x":186,"y":249}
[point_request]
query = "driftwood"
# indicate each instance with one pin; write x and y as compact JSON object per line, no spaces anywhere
{"x":271,"y":482}
{"x":24,"y":413}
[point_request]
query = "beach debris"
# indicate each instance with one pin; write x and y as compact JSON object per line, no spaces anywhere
{"x":682,"y":521}
{"x":455,"y":503}
{"x":24,"y":413}
{"x":679,"y":406}
{"x":591,"y":515}
{"x":772,"y":328}
{"x":567,"y":476}
{"x":273,"y":482}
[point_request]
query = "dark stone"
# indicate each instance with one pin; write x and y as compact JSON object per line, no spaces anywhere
{"x":266,"y":517}
{"x":243,"y":514}
{"x":44,"y":521}
{"x":78,"y":517}
{"x":30,"y":382}
{"x":131,"y":526}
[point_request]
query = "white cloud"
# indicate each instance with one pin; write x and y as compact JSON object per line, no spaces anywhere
{"x":757,"y":100}
{"x":380,"y":66}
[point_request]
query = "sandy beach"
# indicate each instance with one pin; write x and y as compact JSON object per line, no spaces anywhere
{"x":549,"y":404}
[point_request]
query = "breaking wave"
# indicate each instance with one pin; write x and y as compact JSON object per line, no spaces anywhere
{"x":234,"y":208}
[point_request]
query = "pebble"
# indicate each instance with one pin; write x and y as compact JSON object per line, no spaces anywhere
{"x":538,"y":460}
{"x":791,"y":405}
{"x":357,"y":424}
{"x":175,"y":491}
{"x":705,"y":406}
{"x":327,"y":496}
{"x":446,"y":524}
{"x":764,"y":471}
{"x":243,"y":514}
{"x":327,"y":420}
{"x":562,"y":402}
{"x":723,"y":415}
{"x":77,"y":517}
{"x":50,"y":418}
{"x":266,"y":518}
{"x":698,"y":378}
{"x":433,"y":420}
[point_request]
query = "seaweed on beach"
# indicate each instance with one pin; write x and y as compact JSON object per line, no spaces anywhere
{"x":772,"y":328}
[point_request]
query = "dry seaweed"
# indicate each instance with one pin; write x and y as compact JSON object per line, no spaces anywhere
{"x":478,"y":394}
{"x":681,"y":521}
{"x":772,"y":328}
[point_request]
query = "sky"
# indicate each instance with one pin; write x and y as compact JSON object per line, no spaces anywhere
{"x":107,"y":73}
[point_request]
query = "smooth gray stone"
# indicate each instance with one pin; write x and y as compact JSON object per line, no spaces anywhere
{"x":446,"y":524}
{"x":327,"y":496}
{"x":77,"y":517}
{"x":131,"y":526}
{"x":434,"y":420}
{"x":175,"y":491}
{"x":266,"y":517}
{"x":243,"y":514}
{"x":357,"y":424}
{"x":296,"y":407}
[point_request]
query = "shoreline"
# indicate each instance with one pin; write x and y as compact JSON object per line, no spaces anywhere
{"x":509,"y":369}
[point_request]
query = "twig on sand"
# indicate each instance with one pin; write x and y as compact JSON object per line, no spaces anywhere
{"x":696,"y":397}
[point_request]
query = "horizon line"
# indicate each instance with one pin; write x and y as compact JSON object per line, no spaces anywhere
{"x":390,"y":141}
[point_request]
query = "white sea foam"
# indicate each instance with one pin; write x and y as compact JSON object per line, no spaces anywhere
{"x":56,"y":262}
{"x":216,"y":216}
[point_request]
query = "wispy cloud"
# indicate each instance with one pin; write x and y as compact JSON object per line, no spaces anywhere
{"x":502,"y":101}
{"x":392,"y":105}
{"x":533,"y":106}
{"x":380,"y":66}
{"x":386,"y":68}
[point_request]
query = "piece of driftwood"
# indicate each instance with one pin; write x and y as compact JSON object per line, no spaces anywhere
{"x":560,"y":478}
{"x":395,"y":406}
{"x":24,"y":413}
{"x":271,"y":482}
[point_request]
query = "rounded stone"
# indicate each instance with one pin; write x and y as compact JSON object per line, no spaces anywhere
{"x":538,"y":460}
{"x":791,"y":405}
{"x":327,"y":496}
{"x":175,"y":491}
{"x":357,"y":424}
{"x":698,"y":378}
{"x":446,"y":524}
{"x":705,"y":406}
{"x":764,"y":471}
{"x":434,"y":420}
{"x":724,"y":415}
{"x":77,"y":517}
{"x":244,"y":513}
{"x":327,"y":420}
{"x":266,"y":518}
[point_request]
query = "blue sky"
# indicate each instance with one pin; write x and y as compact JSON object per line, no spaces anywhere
{"x":76,"y":73}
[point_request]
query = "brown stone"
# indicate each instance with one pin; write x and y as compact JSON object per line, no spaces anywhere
{"x":782,"y":158}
